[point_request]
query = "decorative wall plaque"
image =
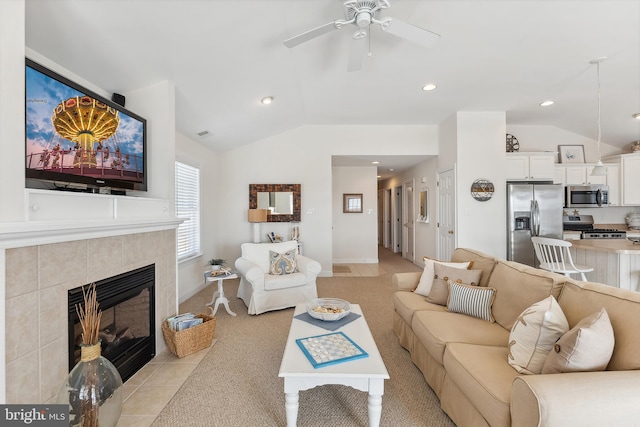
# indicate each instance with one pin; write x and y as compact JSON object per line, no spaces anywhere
{"x":512,"y":143}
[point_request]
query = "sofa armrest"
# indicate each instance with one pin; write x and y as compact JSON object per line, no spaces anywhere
{"x":308,"y":266}
{"x":608,"y":398}
{"x":251,"y":272}
{"x":405,"y":281}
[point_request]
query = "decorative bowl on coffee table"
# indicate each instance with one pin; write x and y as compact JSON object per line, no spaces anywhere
{"x":328,"y":309}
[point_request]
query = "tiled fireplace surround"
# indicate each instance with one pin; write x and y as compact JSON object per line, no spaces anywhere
{"x":38,"y":276}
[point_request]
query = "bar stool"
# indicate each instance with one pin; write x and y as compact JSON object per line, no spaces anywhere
{"x":554,"y":255}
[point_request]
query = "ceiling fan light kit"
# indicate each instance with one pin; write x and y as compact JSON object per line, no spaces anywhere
{"x":363,"y":13}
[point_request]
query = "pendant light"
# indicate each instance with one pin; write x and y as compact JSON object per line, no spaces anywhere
{"x":599,"y":169}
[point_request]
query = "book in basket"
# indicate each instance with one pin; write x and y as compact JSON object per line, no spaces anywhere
{"x":191,"y":340}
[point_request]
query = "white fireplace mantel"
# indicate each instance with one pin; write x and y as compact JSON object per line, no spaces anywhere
{"x":53,"y":216}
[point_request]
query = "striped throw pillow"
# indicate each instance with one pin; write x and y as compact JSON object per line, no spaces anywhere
{"x":473,"y":301}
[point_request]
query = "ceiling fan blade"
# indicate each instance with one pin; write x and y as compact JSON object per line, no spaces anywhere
{"x":410,"y":32}
{"x":358,"y":45}
{"x":311,"y":34}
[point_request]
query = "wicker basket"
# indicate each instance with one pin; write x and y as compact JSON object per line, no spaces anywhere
{"x":188,"y":341}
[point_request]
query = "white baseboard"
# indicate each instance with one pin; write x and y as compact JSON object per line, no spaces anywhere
{"x":356,"y":261}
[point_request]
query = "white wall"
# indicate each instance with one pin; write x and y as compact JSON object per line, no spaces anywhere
{"x":190,"y":272}
{"x":12,"y":29}
{"x":303,"y":156}
{"x":156,"y":103}
{"x":481,"y":154}
{"x":355,"y":235}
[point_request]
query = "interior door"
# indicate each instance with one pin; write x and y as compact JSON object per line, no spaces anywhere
{"x":386,"y":218}
{"x":446,"y":220}
{"x":408,"y":219}
{"x":397,"y":219}
{"x":380,"y":218}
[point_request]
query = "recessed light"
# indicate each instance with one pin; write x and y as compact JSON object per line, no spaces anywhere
{"x":379,"y":177}
{"x":375,"y":163}
{"x":429,"y":86}
{"x":636,"y":116}
{"x":546,"y":103}
{"x":267,"y":100}
{"x":391,"y":170}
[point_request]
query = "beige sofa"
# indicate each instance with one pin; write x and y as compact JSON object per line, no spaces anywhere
{"x":464,"y":359}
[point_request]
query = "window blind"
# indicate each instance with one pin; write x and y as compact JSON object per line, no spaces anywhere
{"x":188,"y":208}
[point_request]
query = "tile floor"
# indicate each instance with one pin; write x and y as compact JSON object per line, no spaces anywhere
{"x":357,"y":270}
{"x":152,"y":387}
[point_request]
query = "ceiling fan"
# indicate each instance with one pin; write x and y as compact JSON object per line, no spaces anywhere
{"x":363,"y":13}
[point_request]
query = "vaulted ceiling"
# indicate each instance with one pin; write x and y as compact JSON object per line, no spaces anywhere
{"x":224,"y":56}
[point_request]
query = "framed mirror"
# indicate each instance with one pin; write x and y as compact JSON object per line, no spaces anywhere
{"x":423,"y":207}
{"x":282,"y":201}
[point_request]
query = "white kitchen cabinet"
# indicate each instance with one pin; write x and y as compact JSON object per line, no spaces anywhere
{"x":613,"y":182}
{"x":581,"y":175}
{"x":630,"y":171}
{"x":629,"y":175}
{"x":530,"y":166}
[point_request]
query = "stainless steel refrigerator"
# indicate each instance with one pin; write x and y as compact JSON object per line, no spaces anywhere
{"x":532,"y":210}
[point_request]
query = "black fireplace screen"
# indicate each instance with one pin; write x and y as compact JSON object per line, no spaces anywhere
{"x":127,"y":331}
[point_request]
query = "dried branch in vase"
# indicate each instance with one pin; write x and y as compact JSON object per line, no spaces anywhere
{"x":90,"y":316}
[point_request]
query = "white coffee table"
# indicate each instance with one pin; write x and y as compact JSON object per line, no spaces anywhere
{"x":367,"y":374}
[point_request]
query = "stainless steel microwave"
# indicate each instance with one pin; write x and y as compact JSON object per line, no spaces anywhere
{"x":586,"y":196}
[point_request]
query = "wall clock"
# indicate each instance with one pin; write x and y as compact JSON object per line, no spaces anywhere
{"x":512,"y":143}
{"x":482,"y":189}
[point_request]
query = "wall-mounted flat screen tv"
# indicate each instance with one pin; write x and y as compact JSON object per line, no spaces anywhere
{"x":75,"y":139}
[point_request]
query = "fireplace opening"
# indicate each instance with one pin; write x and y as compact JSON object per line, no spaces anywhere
{"x":127,"y":327}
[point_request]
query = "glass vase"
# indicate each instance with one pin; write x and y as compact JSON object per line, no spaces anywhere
{"x":93,"y":390}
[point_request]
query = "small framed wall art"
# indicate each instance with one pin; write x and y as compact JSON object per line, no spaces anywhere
{"x":571,"y":153}
{"x":352,"y":203}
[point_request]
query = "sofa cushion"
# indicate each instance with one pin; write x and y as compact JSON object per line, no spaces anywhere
{"x":484,"y":376}
{"x":580,"y":299}
{"x":534,"y":334}
{"x":282,"y":263}
{"x":471,"y":300}
{"x":426,"y":279}
{"x":443,"y":274}
{"x":272,"y":281}
{"x":518,"y":286}
{"x":407,"y":303}
{"x":588,"y":346}
{"x":481,"y":261}
{"x":436,"y":329}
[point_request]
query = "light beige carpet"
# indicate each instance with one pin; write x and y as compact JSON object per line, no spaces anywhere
{"x":237,"y":382}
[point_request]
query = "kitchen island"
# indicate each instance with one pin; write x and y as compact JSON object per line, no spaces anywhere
{"x":616,"y":262}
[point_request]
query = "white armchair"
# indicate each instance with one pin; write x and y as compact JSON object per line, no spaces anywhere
{"x":262,"y":291}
